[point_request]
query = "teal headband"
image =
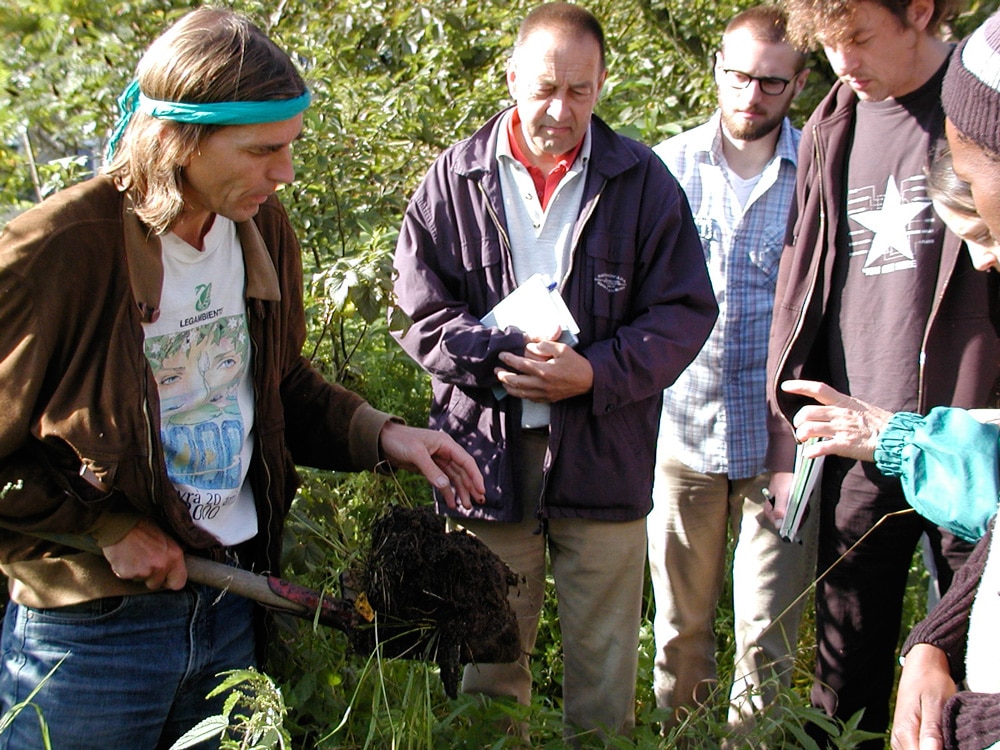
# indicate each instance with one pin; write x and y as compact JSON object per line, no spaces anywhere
{"x":133,"y":100}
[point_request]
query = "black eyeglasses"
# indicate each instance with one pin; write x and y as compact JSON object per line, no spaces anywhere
{"x":768,"y":84}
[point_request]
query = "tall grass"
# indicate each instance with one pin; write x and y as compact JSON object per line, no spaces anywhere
{"x":344,"y":700}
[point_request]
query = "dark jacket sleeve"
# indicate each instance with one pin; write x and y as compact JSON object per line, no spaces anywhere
{"x":805,"y":263}
{"x":971,"y":721}
{"x":40,"y":486}
{"x":781,"y":442}
{"x":450,"y":273}
{"x":947,"y":625}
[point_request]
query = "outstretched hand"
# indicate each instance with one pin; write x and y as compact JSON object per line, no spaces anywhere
{"x":439,"y":458}
{"x":847,"y":426}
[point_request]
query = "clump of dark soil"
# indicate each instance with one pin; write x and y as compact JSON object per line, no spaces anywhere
{"x":437,"y":596}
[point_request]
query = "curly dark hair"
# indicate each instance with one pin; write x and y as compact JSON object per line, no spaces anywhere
{"x":810,"y":19}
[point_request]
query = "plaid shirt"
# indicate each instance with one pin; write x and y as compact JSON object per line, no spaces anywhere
{"x":725,"y":385}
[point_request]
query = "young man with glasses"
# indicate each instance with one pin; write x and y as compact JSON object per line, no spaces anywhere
{"x":738,"y":170}
{"x":877,"y":299}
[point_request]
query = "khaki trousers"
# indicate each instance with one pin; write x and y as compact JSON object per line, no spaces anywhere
{"x":692,"y":513}
{"x":598,"y":572}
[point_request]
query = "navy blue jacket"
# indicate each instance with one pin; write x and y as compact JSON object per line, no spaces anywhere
{"x":638,"y":288}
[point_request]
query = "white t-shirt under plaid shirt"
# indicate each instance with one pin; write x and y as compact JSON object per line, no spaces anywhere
{"x":714,"y":416}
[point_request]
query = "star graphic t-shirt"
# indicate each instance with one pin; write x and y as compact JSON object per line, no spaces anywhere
{"x":199,"y":351}
{"x":888,"y":252}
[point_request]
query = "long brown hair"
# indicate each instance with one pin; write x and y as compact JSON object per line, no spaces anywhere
{"x":209,"y":55}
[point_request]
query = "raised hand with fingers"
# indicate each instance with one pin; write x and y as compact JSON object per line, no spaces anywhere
{"x":847,"y":426}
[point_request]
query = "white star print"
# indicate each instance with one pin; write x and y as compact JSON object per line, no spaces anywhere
{"x":888,"y":224}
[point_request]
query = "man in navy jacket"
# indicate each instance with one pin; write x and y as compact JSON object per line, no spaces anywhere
{"x":564,"y":434}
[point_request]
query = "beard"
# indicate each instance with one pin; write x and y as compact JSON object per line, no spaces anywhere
{"x":742,"y":130}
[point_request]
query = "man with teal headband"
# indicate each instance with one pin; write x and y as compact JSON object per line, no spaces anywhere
{"x":204,"y":113}
{"x":154,"y":399}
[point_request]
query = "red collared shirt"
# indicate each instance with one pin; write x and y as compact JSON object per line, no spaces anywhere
{"x":545,"y":184}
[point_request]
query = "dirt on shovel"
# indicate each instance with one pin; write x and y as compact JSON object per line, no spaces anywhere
{"x":437,"y":596}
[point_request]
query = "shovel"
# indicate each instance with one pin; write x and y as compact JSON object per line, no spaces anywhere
{"x":271,"y":591}
{"x":440,"y":596}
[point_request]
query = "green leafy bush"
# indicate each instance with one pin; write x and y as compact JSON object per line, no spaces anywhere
{"x":394,"y":83}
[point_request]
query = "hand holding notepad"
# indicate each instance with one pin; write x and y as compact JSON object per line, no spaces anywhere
{"x":537,"y":309}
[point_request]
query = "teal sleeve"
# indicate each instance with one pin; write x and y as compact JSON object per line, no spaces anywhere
{"x":948,"y":465}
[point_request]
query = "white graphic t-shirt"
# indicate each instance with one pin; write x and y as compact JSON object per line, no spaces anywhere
{"x":199,"y":350}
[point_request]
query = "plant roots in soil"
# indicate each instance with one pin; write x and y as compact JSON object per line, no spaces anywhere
{"x":436,"y":595}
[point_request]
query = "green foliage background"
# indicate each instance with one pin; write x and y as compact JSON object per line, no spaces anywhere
{"x":394,"y":82}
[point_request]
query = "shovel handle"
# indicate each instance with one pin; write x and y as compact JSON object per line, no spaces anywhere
{"x":248,"y":585}
{"x":270,"y":591}
{"x":278,"y":594}
{"x":213,"y":574}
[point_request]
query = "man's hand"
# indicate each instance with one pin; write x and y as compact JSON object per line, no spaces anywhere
{"x":439,"y":458}
{"x":147,"y":554}
{"x":848,"y":426}
{"x":780,"y":489}
{"x":925,"y":685}
{"x":548,"y":372}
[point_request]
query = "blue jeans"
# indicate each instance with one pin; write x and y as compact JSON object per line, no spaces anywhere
{"x":136,"y":672}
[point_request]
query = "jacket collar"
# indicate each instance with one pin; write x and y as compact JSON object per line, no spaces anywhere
{"x":476,"y":156}
{"x":143,"y":255}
